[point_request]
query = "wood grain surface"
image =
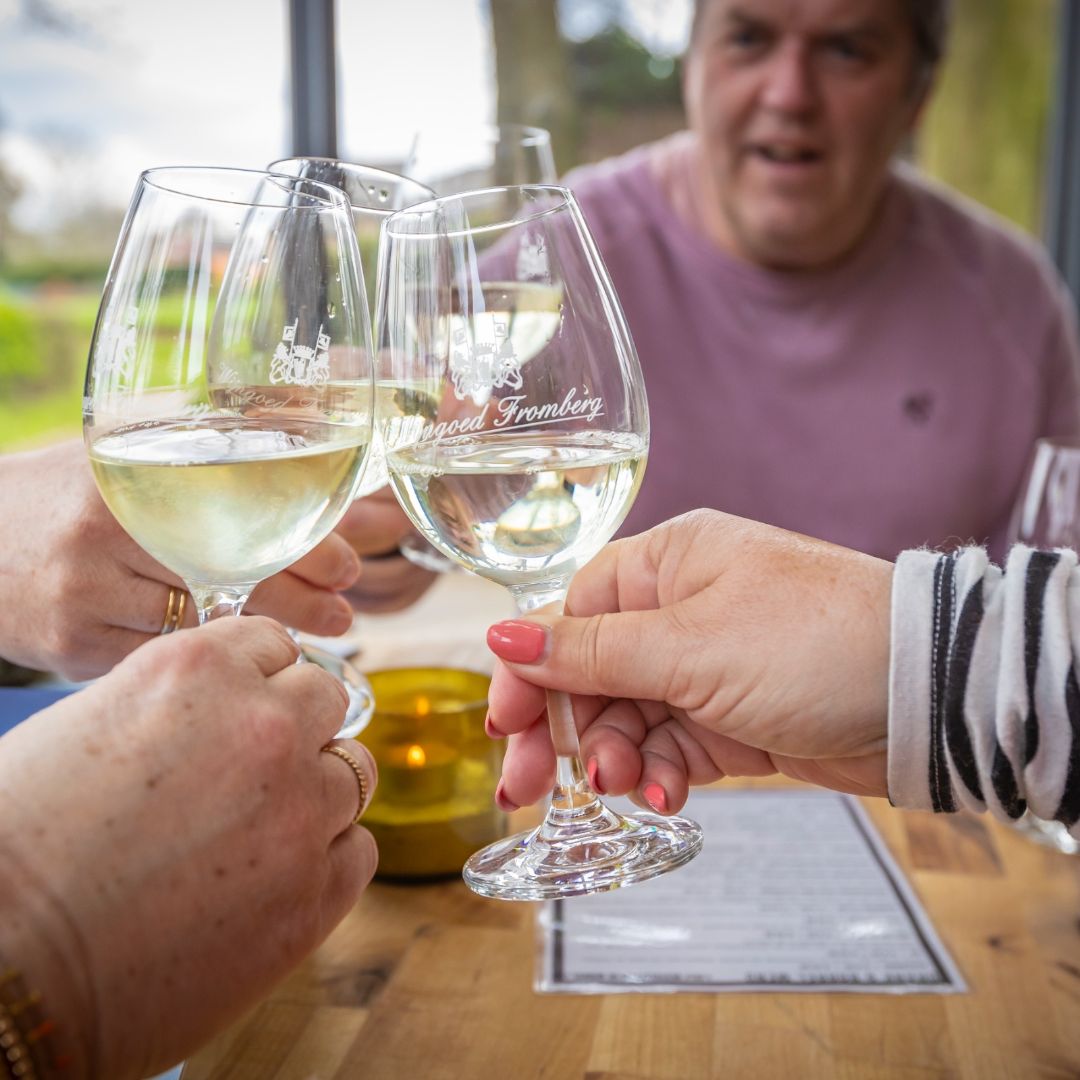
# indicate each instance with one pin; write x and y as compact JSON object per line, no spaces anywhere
{"x":431,"y":982}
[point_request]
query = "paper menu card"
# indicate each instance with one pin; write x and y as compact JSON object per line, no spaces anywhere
{"x":794,"y":890}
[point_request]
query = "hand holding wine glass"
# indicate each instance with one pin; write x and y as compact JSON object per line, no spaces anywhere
{"x":228,"y":403}
{"x":516,"y":443}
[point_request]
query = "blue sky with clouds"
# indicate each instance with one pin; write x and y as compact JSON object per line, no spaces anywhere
{"x":136,"y":83}
{"x":110,"y":87}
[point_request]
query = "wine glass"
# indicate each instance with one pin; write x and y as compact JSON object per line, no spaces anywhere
{"x":516,"y":444}
{"x":229,"y":393}
{"x":458,"y":158}
{"x":374,"y":194}
{"x":1047,"y":516}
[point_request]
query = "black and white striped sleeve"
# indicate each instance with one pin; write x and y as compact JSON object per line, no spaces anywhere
{"x":984,"y":698}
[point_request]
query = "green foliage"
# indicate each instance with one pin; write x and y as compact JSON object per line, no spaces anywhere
{"x":42,"y":269}
{"x":45,"y":339}
{"x":56,"y":415}
{"x":985,"y":131}
{"x":42,"y":364}
{"x":19,"y":344}
{"x":613,"y":70}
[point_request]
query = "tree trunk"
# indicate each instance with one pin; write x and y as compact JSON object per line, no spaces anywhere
{"x":985,"y":131}
{"x":532,"y":74}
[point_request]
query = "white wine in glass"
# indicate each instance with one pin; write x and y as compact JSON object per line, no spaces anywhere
{"x":522,"y":507}
{"x":206,"y":498}
{"x":467,"y":157}
{"x":229,"y":393}
{"x":516,"y":448}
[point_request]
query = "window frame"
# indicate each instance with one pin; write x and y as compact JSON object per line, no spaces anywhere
{"x":1062,"y":228}
{"x":313,"y":83}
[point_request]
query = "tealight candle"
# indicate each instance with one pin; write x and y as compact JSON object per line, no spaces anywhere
{"x":417,"y":771}
{"x":433,"y":806}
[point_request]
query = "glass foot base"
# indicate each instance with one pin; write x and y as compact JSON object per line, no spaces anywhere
{"x":589,"y":850}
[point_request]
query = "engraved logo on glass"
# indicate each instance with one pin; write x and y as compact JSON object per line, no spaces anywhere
{"x":235,"y":394}
{"x":486,"y":364}
{"x":532,"y":260}
{"x":115,"y":353}
{"x":300,"y":365}
{"x":512,"y":412}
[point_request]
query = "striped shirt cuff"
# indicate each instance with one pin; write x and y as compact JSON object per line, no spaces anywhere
{"x":984,"y":709}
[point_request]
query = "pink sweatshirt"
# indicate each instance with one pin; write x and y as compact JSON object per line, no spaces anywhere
{"x":884,"y":404}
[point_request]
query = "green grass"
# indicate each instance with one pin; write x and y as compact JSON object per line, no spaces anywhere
{"x":46,"y":404}
{"x":43,"y":420}
{"x":42,"y":401}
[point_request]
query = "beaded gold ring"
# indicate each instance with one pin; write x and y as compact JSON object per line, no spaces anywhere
{"x":361,"y":779}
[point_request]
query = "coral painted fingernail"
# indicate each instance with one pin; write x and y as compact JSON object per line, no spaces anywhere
{"x":517,"y":641}
{"x":503,"y":803}
{"x":594,"y":777}
{"x":655,"y":797}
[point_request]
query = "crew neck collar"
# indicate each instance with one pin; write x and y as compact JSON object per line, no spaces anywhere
{"x":783,"y":286}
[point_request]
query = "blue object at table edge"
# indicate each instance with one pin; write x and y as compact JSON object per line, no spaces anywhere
{"x":19,"y":702}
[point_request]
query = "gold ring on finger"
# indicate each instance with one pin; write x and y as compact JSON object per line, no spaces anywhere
{"x":174,"y":611}
{"x":361,"y":778}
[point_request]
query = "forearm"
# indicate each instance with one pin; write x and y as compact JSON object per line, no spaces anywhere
{"x":984,"y":701}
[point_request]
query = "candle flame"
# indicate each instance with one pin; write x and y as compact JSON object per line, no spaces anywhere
{"x":415,"y":757}
{"x":423,"y":706}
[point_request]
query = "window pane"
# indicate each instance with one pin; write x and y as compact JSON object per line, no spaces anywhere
{"x":406,"y":65}
{"x":986,"y":130}
{"x":91,"y":93}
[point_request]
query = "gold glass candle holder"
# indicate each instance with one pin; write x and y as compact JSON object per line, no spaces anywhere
{"x":438,"y":770}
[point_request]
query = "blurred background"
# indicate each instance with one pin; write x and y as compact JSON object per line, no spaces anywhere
{"x":94,"y":91}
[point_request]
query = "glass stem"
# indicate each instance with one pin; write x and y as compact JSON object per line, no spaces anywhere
{"x":572,"y":791}
{"x":214,"y":601}
{"x":572,"y":796}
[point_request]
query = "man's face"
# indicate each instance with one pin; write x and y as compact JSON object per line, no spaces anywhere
{"x":799,"y":105}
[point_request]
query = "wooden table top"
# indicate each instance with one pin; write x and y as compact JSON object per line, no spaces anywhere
{"x":432,"y":982}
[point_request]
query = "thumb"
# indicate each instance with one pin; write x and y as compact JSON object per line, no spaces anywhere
{"x":630,"y":654}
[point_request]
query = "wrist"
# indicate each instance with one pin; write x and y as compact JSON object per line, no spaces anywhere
{"x":876,"y":600}
{"x":30,"y":1042}
{"x":45,"y":987}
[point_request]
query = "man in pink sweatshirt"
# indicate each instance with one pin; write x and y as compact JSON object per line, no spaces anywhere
{"x":830,"y":342}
